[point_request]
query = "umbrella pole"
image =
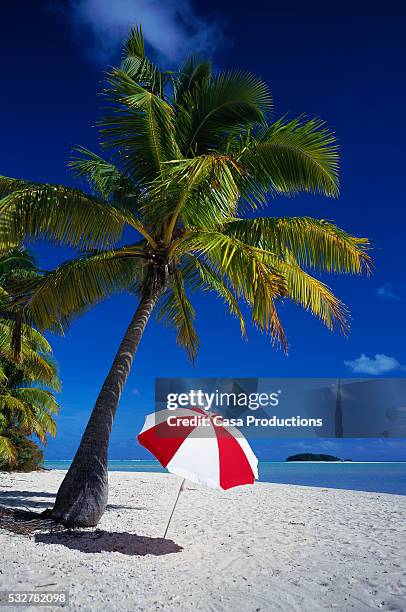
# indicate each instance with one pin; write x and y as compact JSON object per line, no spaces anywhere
{"x":174,"y":506}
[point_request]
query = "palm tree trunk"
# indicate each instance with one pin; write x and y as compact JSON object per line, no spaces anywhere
{"x":82,"y":496}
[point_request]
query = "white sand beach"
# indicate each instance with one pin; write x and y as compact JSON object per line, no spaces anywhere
{"x":267,"y":547}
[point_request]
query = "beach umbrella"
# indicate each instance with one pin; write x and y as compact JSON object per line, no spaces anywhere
{"x":200,"y":447}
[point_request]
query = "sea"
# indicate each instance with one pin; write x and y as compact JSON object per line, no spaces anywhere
{"x":377,"y":477}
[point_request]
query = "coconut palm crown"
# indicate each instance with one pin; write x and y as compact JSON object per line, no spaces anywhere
{"x":191,"y":160}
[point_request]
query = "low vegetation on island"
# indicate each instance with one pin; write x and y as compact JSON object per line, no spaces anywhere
{"x":314,"y":457}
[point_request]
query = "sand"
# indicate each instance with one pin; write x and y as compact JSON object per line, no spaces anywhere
{"x":268,"y":547}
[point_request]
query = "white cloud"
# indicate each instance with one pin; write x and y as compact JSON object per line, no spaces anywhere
{"x":380,"y":364}
{"x":387,"y":292}
{"x":172,"y":28}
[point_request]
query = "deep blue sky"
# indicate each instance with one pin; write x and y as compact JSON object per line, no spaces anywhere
{"x":342,"y":63}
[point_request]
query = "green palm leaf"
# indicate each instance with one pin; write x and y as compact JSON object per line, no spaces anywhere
{"x":249,"y":272}
{"x":7,"y":450}
{"x":313,"y":295}
{"x":34,"y":361}
{"x":291,"y":157}
{"x":141,"y":124}
{"x":175,"y":309}
{"x":61,"y":214}
{"x":31,"y":337}
{"x":105,"y":178}
{"x":138,"y":66}
{"x":10,"y":403}
{"x":15,"y":262}
{"x":198,"y":192}
{"x":201,"y":276}
{"x":80,"y":283}
{"x":42,"y":399}
{"x":192,"y":74}
{"x":214,"y":108}
{"x":315,"y":243}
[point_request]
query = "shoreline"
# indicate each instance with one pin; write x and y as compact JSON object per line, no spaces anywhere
{"x":156,"y":461}
{"x":266,"y":547}
{"x":379,"y":477}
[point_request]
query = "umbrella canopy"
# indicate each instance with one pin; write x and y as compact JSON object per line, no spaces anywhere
{"x":198,"y":446}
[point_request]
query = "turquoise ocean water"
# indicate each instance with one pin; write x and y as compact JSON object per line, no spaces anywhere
{"x":388,"y":477}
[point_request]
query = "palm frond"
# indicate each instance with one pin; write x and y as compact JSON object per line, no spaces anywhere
{"x":37,"y":368}
{"x":40,"y":398}
{"x":104,"y":178}
{"x":200,"y":275}
{"x":134,"y":46}
{"x":76,"y":285}
{"x":315,"y":243}
{"x":34,"y":360}
{"x":12,"y":404}
{"x":249,"y":272}
{"x":313,"y":295}
{"x":175,"y":309}
{"x":3,"y":376}
{"x":30,"y":336}
{"x":139,"y":67}
{"x":15,"y":261}
{"x":192,"y":73}
{"x":7,"y":450}
{"x":198,"y":192}
{"x":61,"y":214}
{"x":139,"y":125}
{"x":294,"y":156}
{"x":41,"y":423}
{"x":230,"y":99}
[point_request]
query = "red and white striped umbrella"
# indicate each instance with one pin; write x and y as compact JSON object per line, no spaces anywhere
{"x":200,"y":447}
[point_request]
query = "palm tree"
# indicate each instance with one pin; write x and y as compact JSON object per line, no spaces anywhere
{"x":25,"y":405}
{"x":192,"y":158}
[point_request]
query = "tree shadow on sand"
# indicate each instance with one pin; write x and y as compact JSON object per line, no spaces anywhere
{"x":14,"y":499}
{"x":103,"y":541}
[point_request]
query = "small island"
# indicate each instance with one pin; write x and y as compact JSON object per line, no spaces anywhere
{"x":312,"y":457}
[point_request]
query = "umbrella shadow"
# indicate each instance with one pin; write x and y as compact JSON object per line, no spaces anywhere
{"x":104,"y":541}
